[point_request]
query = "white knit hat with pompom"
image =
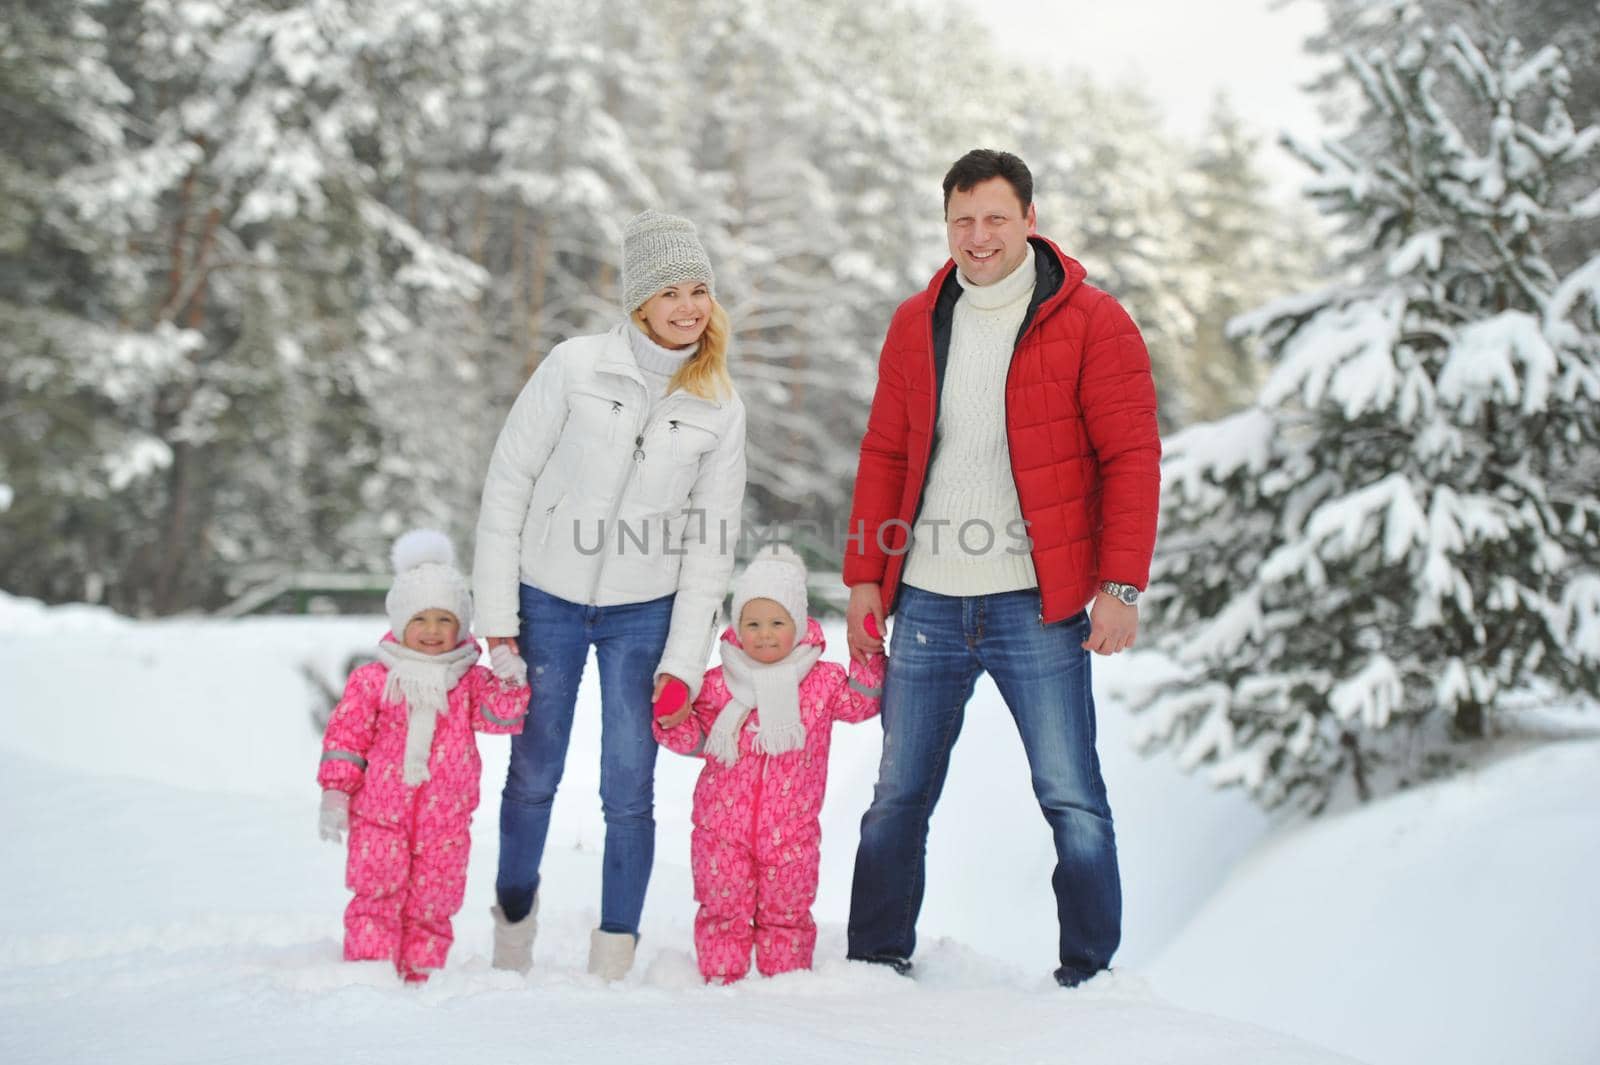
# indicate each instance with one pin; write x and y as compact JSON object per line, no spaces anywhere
{"x":426,"y":578}
{"x":776,"y":573}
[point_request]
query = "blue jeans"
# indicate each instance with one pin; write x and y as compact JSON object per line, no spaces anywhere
{"x":555,"y":640}
{"x":939,"y":647}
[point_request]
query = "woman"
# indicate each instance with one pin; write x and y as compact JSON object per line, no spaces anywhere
{"x":610,"y":512}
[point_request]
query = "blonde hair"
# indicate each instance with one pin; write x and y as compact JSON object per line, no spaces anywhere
{"x":705,"y":375}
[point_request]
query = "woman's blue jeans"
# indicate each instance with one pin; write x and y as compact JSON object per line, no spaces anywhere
{"x":939,"y":647}
{"x":555,"y":640}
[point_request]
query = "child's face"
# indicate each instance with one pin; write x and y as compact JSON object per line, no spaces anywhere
{"x":766,"y":630}
{"x":432,"y":632}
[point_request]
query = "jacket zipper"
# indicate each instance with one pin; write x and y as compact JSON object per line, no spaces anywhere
{"x":616,"y":506}
{"x":638,"y":459}
{"x":755,"y":825}
{"x":1005,"y":399}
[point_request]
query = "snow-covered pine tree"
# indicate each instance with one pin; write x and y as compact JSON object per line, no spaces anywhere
{"x":1248,"y":248}
{"x":241,"y":264}
{"x":1403,"y":534}
{"x":1570,"y":25}
{"x":61,"y":376}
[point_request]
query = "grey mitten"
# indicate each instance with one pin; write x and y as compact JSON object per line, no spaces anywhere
{"x":508,"y":666}
{"x":334,"y":819}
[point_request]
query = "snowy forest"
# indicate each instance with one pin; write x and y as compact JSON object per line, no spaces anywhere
{"x":275,"y":269}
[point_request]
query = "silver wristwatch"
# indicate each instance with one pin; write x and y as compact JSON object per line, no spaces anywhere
{"x":1125,"y":592}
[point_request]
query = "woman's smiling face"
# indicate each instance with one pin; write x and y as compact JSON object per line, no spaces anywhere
{"x":677,"y":316}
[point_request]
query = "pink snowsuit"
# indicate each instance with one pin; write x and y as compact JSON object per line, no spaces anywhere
{"x":408,"y":845}
{"x":756,"y":843}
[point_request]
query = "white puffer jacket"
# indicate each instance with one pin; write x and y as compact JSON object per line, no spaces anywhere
{"x":589,"y":500}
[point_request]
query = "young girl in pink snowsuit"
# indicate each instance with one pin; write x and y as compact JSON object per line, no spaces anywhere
{"x":400,"y":766}
{"x":763,"y":722}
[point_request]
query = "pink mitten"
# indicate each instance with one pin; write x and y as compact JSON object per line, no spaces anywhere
{"x":673,"y":696}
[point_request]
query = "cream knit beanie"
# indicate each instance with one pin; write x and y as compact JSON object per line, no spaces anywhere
{"x":776,"y":573}
{"x":426,"y":578}
{"x":659,"y":250}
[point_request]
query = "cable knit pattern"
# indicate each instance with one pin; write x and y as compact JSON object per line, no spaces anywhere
{"x":757,"y":843}
{"x":407,"y":862}
{"x":1081,"y":424}
{"x":970,"y":479}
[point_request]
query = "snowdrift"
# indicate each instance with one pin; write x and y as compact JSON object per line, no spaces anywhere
{"x":1456,"y":923}
{"x":169,"y":899}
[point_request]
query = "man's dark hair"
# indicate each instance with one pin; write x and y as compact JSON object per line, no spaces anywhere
{"x":981,"y":164}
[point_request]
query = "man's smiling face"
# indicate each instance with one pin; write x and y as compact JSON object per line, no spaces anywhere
{"x":988,"y":229}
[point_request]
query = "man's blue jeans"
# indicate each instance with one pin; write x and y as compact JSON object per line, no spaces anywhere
{"x":939,"y":647}
{"x":555,"y":640}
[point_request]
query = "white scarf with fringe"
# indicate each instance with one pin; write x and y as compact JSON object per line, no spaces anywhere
{"x":423,"y":683}
{"x":772,"y":688}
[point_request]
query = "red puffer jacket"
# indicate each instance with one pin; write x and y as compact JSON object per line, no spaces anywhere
{"x":1080,"y":422}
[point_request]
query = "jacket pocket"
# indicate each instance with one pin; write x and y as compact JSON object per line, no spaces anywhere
{"x":596,"y":417}
{"x":549,"y":518}
{"x":685,"y":442}
{"x":549,"y":492}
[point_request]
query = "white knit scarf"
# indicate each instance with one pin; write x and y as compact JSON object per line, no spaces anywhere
{"x":774,"y":689}
{"x":423,"y":683}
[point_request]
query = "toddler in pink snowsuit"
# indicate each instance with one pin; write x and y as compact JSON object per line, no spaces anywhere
{"x":400,"y":766}
{"x":763,"y":722}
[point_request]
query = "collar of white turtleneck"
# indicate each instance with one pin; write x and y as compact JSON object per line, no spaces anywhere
{"x":653,"y":358}
{"x":656,"y":363}
{"x":1014,"y":286}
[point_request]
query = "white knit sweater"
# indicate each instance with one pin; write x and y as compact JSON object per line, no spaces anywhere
{"x":656,"y":363}
{"x":966,"y":541}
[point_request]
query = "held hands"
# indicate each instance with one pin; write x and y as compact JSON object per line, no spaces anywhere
{"x":1113,"y":625}
{"x":670,"y":701}
{"x":866,"y":605}
{"x":333,"y":820}
{"x":507,"y":664}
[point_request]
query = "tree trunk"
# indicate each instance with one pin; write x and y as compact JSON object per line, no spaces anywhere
{"x":519,"y":272}
{"x":1358,"y":766}
{"x":538,"y":283}
{"x":176,"y":554}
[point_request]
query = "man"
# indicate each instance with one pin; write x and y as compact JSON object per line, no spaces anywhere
{"x":1009,"y":475}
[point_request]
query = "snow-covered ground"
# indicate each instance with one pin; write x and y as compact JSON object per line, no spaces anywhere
{"x":168,"y":899}
{"x":1456,"y":923}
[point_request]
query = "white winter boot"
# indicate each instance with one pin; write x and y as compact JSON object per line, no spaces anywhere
{"x":513,"y":940}
{"x":611,"y":953}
